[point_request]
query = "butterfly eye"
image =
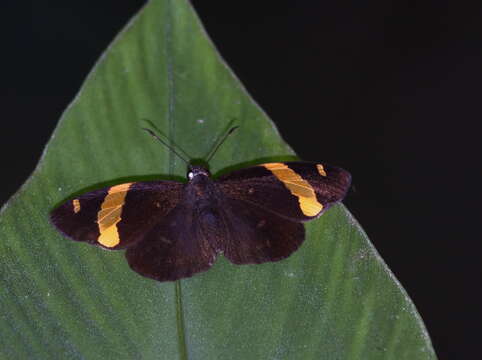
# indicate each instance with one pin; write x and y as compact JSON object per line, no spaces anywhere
{"x":190,"y":175}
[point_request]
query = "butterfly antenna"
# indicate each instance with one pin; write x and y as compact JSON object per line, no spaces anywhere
{"x":150,"y":132}
{"x":220,"y":143}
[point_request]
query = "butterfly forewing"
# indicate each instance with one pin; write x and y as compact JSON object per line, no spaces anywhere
{"x":118,"y":216}
{"x":299,"y":191}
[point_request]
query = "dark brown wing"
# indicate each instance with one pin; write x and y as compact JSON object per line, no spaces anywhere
{"x":179,"y":246}
{"x":298,"y":191}
{"x":255,"y":235}
{"x":118,"y":216}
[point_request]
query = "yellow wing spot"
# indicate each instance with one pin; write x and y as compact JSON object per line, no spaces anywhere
{"x":76,"y":205}
{"x":110,"y":214}
{"x":321,"y":169}
{"x":300,"y":188}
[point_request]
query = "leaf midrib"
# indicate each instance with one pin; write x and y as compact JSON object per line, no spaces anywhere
{"x":183,"y":354}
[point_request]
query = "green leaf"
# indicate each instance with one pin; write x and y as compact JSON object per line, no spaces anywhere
{"x":333,"y":299}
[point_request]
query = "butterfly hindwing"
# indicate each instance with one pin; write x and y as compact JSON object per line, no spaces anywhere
{"x":177,"y":247}
{"x":118,"y":216}
{"x":254,"y":235}
{"x":298,"y":191}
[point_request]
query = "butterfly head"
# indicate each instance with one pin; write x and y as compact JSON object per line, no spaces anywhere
{"x":195,"y":170}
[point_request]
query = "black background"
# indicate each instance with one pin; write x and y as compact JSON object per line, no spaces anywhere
{"x":390,"y":90}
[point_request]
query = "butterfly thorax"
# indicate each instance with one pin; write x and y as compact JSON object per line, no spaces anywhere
{"x":200,"y":191}
{"x":203,"y":198}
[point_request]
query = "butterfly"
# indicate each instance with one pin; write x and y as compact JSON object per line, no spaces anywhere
{"x":172,"y":230}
